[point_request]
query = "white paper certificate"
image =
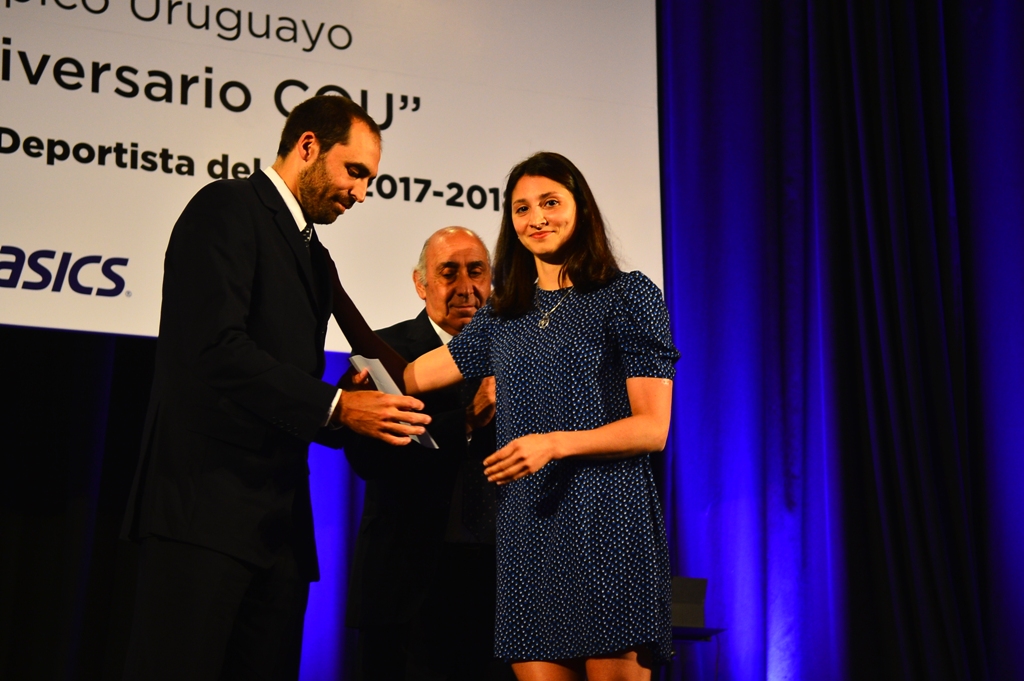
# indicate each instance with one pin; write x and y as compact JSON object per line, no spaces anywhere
{"x":387,"y":385}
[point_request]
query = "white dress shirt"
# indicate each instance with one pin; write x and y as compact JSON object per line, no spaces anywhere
{"x":296,"y":210}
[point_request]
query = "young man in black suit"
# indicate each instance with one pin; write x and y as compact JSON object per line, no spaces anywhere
{"x":221,"y":496}
{"x":422,"y":587}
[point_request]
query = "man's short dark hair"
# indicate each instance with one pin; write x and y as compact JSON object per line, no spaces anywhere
{"x":329,"y":117}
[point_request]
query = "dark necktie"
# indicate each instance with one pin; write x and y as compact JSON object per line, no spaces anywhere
{"x":307,"y":234}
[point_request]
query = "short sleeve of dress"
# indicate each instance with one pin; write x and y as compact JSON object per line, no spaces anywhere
{"x":641,"y":327}
{"x":471,"y":347}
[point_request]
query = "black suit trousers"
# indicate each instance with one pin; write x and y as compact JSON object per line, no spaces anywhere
{"x":211,"y":617}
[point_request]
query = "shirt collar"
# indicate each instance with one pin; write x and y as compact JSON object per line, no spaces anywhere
{"x":441,"y":333}
{"x":289,"y":199}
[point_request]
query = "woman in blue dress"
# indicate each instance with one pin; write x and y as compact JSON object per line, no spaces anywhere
{"x":583,"y":362}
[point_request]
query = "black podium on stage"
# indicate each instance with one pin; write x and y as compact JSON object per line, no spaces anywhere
{"x":688,"y":595}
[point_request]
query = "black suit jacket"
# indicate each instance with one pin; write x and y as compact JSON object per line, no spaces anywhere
{"x":408,"y":497}
{"x":237,"y":395}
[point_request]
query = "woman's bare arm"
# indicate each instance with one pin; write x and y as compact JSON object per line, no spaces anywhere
{"x":650,"y":400}
{"x":431,"y":371}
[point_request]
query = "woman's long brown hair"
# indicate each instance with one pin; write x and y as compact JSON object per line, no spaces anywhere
{"x":589,"y":263}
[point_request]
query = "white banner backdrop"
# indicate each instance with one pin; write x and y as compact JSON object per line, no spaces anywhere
{"x":113,"y":113}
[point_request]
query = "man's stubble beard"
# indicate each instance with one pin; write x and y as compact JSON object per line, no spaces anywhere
{"x":317,"y":195}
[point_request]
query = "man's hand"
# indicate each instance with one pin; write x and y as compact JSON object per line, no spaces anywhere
{"x":391,"y":418}
{"x":480,"y":411}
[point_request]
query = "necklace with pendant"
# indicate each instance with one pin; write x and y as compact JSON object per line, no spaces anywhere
{"x":546,"y":317}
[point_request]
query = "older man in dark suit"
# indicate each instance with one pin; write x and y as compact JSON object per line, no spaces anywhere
{"x":422,"y":588}
{"x":221,"y":497}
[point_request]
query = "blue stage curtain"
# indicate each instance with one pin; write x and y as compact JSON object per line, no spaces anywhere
{"x":825,"y":167}
{"x":70,"y":427}
{"x":987,"y":100}
{"x":752,"y":490}
{"x":328,"y":648}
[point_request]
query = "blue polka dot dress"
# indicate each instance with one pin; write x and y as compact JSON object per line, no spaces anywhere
{"x":583,"y":563}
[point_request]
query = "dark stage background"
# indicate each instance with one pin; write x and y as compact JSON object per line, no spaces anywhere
{"x":843,"y":201}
